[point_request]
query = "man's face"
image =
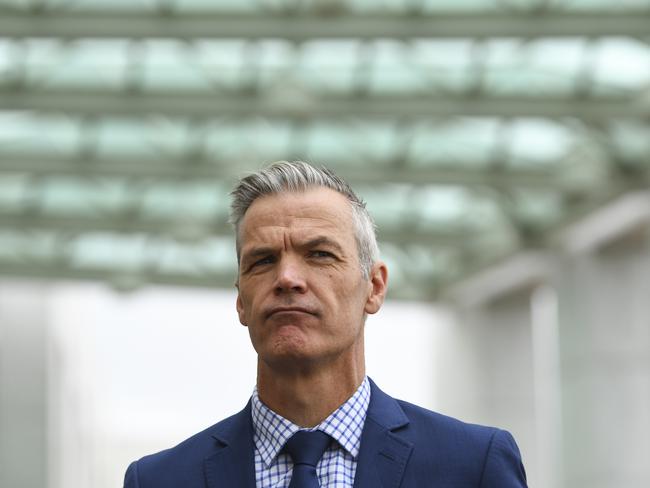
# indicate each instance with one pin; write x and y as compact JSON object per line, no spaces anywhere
{"x":301,"y":290}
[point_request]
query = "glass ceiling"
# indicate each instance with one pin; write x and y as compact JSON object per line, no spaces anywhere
{"x":474,"y":129}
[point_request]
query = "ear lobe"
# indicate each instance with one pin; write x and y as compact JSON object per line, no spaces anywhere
{"x":240,"y":311}
{"x":379,"y":285}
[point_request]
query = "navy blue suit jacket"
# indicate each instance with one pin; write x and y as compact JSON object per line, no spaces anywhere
{"x":402,"y":445}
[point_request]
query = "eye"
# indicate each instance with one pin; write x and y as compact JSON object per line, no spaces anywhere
{"x":321,"y":254}
{"x":261,"y":262}
{"x":264,"y":260}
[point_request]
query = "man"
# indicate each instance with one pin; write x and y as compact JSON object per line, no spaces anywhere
{"x":309,"y":273}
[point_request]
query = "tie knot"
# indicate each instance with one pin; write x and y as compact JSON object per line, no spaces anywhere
{"x":307,"y":447}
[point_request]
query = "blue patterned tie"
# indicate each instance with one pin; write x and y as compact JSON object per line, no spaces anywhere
{"x":305,"y":449}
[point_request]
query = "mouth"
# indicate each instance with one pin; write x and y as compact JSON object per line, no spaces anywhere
{"x":278,"y":310}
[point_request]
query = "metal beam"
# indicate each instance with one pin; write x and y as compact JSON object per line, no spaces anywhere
{"x":482,"y":278}
{"x":129,"y":279}
{"x":450,"y":173}
{"x":623,"y":216}
{"x":125,"y":278}
{"x":520,"y":269}
{"x":188,"y":229}
{"x":308,"y":107}
{"x":120,"y":224}
{"x":304,"y":27}
{"x":60,"y":264}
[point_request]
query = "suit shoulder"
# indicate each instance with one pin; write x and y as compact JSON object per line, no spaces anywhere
{"x":201,"y":442}
{"x":434,"y":422}
{"x":187,"y":457}
{"x":471,"y":454}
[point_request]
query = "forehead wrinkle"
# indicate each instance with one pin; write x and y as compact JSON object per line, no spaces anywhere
{"x":322,"y":240}
{"x":253,"y":242}
{"x":290,"y":212}
{"x":286,"y":240}
{"x":295,"y":227}
{"x":297,"y":238}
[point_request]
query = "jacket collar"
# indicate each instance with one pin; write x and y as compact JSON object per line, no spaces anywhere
{"x":382,"y":458}
{"x":384,"y":454}
{"x":233,"y":462}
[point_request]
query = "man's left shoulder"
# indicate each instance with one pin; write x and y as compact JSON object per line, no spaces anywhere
{"x":488,"y":454}
{"x":434,"y":425}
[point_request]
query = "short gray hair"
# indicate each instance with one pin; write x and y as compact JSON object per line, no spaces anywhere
{"x":298,"y":176}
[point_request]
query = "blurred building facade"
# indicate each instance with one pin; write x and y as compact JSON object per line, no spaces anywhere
{"x":553,"y":347}
{"x":502,"y":145}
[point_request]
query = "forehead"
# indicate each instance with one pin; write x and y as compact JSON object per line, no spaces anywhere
{"x":318,"y":209}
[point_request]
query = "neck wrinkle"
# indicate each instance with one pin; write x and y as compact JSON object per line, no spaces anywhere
{"x":306,"y":398}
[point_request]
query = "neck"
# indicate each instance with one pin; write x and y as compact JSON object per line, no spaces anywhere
{"x":307,"y":397}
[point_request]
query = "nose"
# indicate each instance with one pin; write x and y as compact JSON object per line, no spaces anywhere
{"x":290,"y":276}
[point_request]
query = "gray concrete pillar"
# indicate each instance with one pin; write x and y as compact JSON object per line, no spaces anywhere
{"x":486,"y":370}
{"x":23,"y":386}
{"x":604,"y":313}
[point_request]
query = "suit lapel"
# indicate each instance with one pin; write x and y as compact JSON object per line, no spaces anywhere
{"x":383,"y":455}
{"x":233,"y":462}
{"x":382,"y":458}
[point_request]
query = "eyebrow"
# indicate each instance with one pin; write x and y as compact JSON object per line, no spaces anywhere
{"x":258,"y":251}
{"x":315,"y":242}
{"x":320,"y":240}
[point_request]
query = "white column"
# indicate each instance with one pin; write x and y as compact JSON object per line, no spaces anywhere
{"x":23,"y":385}
{"x":485,"y":361}
{"x":604,"y":310}
{"x":547,"y":382}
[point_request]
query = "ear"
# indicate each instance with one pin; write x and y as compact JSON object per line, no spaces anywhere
{"x":240,"y":310}
{"x":379,"y":284}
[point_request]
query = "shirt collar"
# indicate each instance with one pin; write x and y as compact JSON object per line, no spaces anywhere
{"x":345,"y":425}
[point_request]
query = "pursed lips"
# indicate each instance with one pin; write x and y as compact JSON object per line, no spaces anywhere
{"x":276,"y":310}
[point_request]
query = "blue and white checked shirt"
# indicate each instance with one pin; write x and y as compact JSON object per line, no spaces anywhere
{"x":337,"y":467}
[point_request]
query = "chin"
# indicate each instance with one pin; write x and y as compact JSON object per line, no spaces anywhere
{"x":291,"y":352}
{"x":290,"y":347}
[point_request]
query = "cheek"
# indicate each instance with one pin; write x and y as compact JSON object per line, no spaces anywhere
{"x":241,"y":310}
{"x":349,"y":302}
{"x":244,"y":301}
{"x":251,"y":303}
